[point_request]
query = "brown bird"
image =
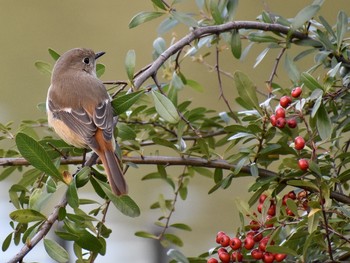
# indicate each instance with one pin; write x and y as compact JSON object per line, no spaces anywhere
{"x":79,"y":109}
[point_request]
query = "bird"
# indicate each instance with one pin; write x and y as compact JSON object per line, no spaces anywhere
{"x":79,"y":110}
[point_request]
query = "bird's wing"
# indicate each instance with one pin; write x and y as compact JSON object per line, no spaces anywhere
{"x":85,"y":124}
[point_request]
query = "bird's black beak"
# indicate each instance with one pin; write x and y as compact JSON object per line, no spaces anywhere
{"x":99,"y":54}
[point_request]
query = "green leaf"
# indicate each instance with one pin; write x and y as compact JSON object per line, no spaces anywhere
{"x":143,"y":17}
{"x":145,"y":235}
{"x":342,"y":25}
{"x":55,"y":251}
{"x":6,"y":172}
{"x":292,"y":206}
{"x":310,"y":82}
{"x":236,"y":45}
{"x":177,"y":256}
{"x":181,"y":226}
{"x":27,"y":215}
{"x":72,"y":195}
{"x":130,"y":62}
{"x":125,"y":132}
{"x":122,"y":103}
{"x":305,"y":15}
{"x":184,"y":18}
{"x":123,"y":203}
{"x":215,"y":12}
{"x":173,"y":239}
{"x":262,"y":38}
{"x":246,"y":90}
{"x":159,"y":3}
{"x":282,"y":249}
{"x":291,"y":69}
{"x":36,"y":155}
{"x":88,"y":241}
{"x":43,"y":67}
{"x":54,"y":54}
{"x":313,"y":220}
{"x":324,"y":124}
{"x":100,"y":69}
{"x":165,"y":108}
{"x":194,"y":85}
{"x":7,"y":242}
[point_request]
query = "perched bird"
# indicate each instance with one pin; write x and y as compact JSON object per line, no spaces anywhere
{"x":79,"y":109}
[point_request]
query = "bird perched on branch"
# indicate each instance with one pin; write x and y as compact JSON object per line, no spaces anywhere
{"x":79,"y":109}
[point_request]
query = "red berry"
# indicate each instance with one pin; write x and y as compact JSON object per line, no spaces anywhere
{"x":235,"y":243}
{"x":302,"y":195}
{"x":212,"y":260}
{"x":292,"y":123}
{"x":218,"y":236}
{"x":237,"y":256}
{"x":222,"y":250}
{"x":262,"y":198}
{"x":273,"y":120}
{"x":254,"y":225}
{"x":285,"y":101}
{"x":280,"y":257}
{"x":257,"y":237}
{"x":263,"y":243}
{"x":267,"y":221}
{"x":224,"y":257}
{"x":268,"y":257}
{"x":272,"y":210}
{"x":292,"y":195}
{"x":260,"y":207}
{"x":299,"y":143}
{"x":303,"y":164}
{"x":280,"y":113}
{"x":281,"y":122}
{"x":257,"y":254}
{"x":225,"y":240}
{"x":296,"y":92}
{"x":289,"y":212}
{"x":249,"y":242}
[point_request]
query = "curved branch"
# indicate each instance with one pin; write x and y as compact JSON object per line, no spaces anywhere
{"x":209,"y":30}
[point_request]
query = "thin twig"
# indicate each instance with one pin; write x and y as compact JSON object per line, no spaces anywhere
{"x":168,"y":217}
{"x":274,"y":71}
{"x":324,"y":214}
{"x":222,"y":95}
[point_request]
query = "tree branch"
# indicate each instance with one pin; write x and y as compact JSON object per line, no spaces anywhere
{"x":45,"y":228}
{"x":209,"y":30}
{"x":167,"y":160}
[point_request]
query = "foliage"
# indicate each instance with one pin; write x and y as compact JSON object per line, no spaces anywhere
{"x":316,"y":229}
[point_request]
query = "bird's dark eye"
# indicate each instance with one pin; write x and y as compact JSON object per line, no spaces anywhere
{"x":86,"y":60}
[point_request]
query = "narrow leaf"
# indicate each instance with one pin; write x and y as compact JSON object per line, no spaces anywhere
{"x":145,"y":235}
{"x":43,"y":67}
{"x":130,"y":62}
{"x":122,"y":103}
{"x":281,"y":249}
{"x":165,"y":108}
{"x":291,"y":69}
{"x":342,"y":25}
{"x":305,"y":15}
{"x":54,"y":54}
{"x":324,"y":124}
{"x":72,"y":195}
{"x":36,"y":155}
{"x":143,"y":17}
{"x":310,"y":82}
{"x":184,"y":18}
{"x":236,"y":45}
{"x":177,"y":256}
{"x":123,"y":203}
{"x":55,"y":251}
{"x":246,"y":90}
{"x":26,"y":216}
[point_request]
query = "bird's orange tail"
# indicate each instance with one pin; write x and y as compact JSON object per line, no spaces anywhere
{"x":114,"y":172}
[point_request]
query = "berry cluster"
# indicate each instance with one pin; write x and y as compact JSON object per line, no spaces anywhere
{"x":253,"y":243}
{"x":279,"y":120}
